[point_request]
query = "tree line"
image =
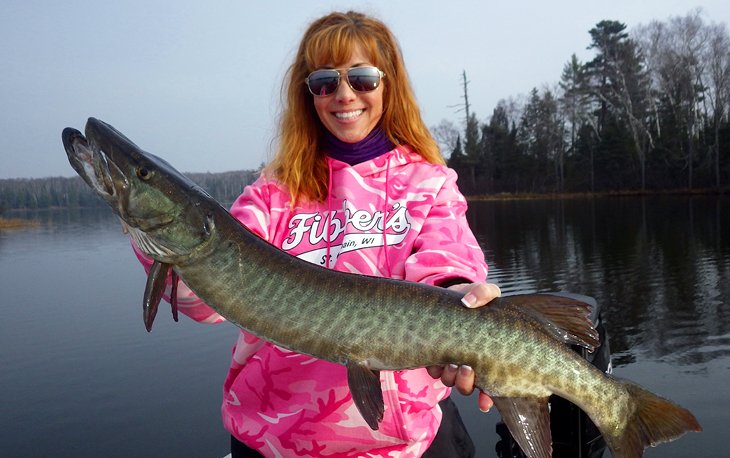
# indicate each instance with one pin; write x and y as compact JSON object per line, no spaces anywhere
{"x":40,"y":193}
{"x":648,"y":112}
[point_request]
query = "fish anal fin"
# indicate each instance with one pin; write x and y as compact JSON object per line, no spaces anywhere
{"x":528,"y":420}
{"x":153,"y":291}
{"x":366,"y":392}
{"x":564,"y":318}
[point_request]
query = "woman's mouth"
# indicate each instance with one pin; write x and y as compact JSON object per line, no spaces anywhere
{"x":348,"y":115}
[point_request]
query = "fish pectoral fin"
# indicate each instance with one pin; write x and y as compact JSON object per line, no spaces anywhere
{"x":528,"y":420}
{"x":366,"y":392}
{"x":153,"y":291}
{"x":173,"y":295}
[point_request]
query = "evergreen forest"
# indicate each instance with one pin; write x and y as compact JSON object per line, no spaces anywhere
{"x":648,"y":112}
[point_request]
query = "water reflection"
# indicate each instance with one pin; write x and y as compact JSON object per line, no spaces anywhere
{"x":80,"y":375}
{"x":659,"y":265}
{"x":58,"y":227}
{"x":74,"y":347}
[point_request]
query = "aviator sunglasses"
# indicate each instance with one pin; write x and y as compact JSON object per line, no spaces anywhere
{"x":325,"y":82}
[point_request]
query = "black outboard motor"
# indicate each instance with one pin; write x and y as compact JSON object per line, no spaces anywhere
{"x":574,"y":434}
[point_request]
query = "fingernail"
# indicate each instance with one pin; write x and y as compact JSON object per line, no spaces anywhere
{"x":452,"y":367}
{"x":485,"y":411}
{"x":465,"y":370}
{"x":469,"y":300}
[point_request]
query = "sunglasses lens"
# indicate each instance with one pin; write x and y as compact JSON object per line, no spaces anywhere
{"x":363,"y":79}
{"x":323,"y":82}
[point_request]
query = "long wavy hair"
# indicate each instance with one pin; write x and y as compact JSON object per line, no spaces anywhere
{"x":299,"y":162}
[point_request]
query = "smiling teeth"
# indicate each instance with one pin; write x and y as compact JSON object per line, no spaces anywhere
{"x":349,"y":114}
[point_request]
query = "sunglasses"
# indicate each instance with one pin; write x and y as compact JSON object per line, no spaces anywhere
{"x":322,"y":83}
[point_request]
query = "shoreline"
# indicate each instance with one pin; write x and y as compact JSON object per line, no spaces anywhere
{"x":591,"y":195}
{"x":17,"y":223}
{"x":13,"y":223}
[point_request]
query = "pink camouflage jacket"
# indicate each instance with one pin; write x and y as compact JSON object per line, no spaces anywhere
{"x":394,"y":216}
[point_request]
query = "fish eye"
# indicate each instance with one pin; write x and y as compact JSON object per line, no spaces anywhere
{"x":208,"y":224}
{"x":144,"y":173}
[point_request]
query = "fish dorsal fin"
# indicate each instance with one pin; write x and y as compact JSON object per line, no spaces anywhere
{"x":366,"y":392}
{"x":564,"y":318}
{"x":528,"y":420}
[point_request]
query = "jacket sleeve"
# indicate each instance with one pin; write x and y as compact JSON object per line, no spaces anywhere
{"x":446,"y":251}
{"x":253,"y":208}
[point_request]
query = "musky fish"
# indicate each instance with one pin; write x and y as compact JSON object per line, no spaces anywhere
{"x":516,"y":344}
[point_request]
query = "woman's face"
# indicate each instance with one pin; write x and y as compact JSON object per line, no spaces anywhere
{"x":350,"y":115}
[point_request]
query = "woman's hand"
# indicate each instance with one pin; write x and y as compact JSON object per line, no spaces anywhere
{"x":462,"y":377}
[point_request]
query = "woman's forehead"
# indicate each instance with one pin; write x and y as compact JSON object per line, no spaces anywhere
{"x":345,"y":54}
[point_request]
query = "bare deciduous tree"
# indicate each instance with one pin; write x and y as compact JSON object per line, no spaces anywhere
{"x":446,"y":135}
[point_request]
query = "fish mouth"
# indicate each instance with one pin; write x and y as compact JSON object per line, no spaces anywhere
{"x":94,"y":167}
{"x":104,"y":176}
{"x":105,"y":160}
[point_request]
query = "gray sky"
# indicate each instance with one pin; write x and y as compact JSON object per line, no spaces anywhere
{"x":198,"y":82}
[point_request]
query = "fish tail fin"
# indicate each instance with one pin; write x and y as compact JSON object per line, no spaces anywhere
{"x":654,"y":420}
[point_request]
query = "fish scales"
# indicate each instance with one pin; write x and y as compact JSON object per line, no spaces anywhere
{"x":516,"y":344}
{"x":369,"y":320}
{"x":369,"y":317}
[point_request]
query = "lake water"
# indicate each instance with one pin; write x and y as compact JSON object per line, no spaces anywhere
{"x":80,"y":376}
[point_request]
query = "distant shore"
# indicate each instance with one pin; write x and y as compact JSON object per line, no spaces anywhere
{"x":17,"y":223}
{"x":579,"y":195}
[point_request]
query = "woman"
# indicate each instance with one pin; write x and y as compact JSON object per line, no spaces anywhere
{"x":357,"y":185}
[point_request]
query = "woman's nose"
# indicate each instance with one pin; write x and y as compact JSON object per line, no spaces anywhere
{"x":344,"y":92}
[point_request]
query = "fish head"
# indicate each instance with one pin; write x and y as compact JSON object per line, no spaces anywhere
{"x":166,"y":213}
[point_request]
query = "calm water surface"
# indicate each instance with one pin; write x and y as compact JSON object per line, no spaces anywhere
{"x":81,"y":377}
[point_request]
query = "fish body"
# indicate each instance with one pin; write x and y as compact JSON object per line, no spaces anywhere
{"x":516,"y":345}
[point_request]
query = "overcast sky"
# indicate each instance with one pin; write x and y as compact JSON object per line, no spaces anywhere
{"x":198,"y":82}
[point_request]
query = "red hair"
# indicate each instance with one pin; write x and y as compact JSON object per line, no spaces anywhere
{"x":299,"y":163}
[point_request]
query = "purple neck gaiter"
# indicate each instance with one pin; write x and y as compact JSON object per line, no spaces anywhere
{"x":370,"y":147}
